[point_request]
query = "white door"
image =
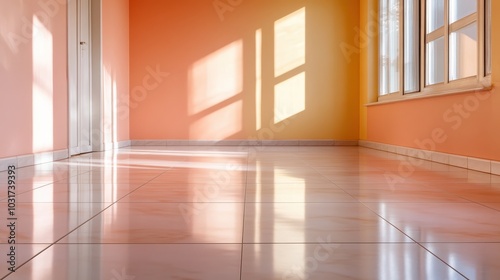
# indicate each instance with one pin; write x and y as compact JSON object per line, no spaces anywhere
{"x":80,"y":97}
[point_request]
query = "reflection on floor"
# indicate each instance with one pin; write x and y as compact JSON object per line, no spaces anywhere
{"x":252,"y":213}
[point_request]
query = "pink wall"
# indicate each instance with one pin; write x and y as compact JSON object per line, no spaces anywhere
{"x":115,"y":55}
{"x":33,"y":80}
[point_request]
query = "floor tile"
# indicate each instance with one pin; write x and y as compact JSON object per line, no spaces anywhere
{"x":473,"y":260}
{"x":286,"y":179}
{"x":296,"y":193}
{"x":134,"y":261}
{"x":188,"y":192}
{"x":163,"y":223}
{"x":22,"y":253}
{"x":492,"y":205}
{"x":48,"y":222}
{"x":305,"y":222}
{"x":479,"y":195}
{"x":77,"y":193}
{"x":342,"y":261}
{"x":402,"y":195}
{"x":442,"y":222}
{"x":244,"y":212}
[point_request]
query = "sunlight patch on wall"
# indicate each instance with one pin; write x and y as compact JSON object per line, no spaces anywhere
{"x":107,"y":105}
{"x":290,"y":42}
{"x":216,"y":78}
{"x":43,"y":88}
{"x":110,"y":107}
{"x":290,"y":97}
{"x":220,"y":124}
{"x":115,"y":111}
{"x":258,"y":79}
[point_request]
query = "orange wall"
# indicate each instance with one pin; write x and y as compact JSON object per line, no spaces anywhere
{"x":33,"y":80}
{"x":194,"y":70}
{"x":115,"y":56}
{"x":472,"y":131}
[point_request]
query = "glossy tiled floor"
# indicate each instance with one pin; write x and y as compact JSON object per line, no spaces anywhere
{"x":252,"y":213}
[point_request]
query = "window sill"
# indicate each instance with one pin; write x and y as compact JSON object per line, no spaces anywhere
{"x":436,"y":91}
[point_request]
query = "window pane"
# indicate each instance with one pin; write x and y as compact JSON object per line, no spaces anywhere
{"x":411,"y":44}
{"x":382,"y":48}
{"x":463,"y":52}
{"x":435,"y":62}
{"x":389,"y":46}
{"x":461,"y":8}
{"x":435,"y":15}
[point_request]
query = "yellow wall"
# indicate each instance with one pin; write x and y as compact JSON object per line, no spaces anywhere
{"x":368,"y":47}
{"x":207,"y":58}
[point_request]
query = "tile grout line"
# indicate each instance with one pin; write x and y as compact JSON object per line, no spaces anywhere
{"x":478,"y":203}
{"x":246,"y":197}
{"x":50,"y":244}
{"x":42,"y":186}
{"x":73,"y":230}
{"x":337,"y":186}
{"x":414,"y":241}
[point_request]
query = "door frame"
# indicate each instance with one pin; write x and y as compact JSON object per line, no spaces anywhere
{"x":95,"y":51}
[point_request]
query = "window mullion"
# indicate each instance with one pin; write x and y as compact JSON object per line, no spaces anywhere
{"x":435,"y":34}
{"x":401,"y":49}
{"x":461,"y":23}
{"x":487,"y":36}
{"x":423,"y":43}
{"x":446,"y":42}
{"x":481,"y":19}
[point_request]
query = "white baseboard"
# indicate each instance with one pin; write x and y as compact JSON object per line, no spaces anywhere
{"x":243,"y":143}
{"x":471,"y":163}
{"x":117,"y":145}
{"x":46,"y":157}
{"x":33,"y":159}
{"x":476,"y":164}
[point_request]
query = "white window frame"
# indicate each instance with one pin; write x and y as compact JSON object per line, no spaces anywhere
{"x":475,"y":83}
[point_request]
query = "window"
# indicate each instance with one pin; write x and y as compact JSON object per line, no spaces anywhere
{"x":389,"y":46}
{"x":433,"y":46}
{"x":411,"y":46}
